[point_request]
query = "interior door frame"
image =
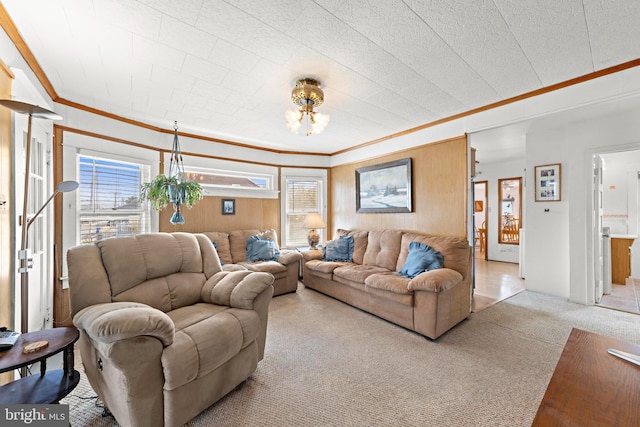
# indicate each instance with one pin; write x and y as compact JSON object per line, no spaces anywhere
{"x":597,"y":212}
{"x":486,"y":215}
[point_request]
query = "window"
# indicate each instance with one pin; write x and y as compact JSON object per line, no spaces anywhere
{"x":510,"y":210}
{"x":109,"y":199}
{"x":303,"y":195}
{"x":220,"y":178}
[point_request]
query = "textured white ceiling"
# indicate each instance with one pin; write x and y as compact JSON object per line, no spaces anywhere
{"x":226,"y":68}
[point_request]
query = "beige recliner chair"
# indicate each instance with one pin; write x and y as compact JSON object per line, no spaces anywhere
{"x":164,"y":332}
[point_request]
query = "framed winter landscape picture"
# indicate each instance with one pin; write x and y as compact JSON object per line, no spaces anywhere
{"x":385,"y":187}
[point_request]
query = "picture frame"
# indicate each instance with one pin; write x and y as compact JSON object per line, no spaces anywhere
{"x":548,"y":180}
{"x":228,"y":206}
{"x":385,"y":187}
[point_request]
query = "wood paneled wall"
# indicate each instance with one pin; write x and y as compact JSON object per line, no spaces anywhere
{"x":61,"y":301}
{"x":439,"y":192}
{"x":207,"y":216}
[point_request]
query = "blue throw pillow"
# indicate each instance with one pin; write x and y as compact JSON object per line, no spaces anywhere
{"x":262,"y":249}
{"x":421,"y":258}
{"x":340,"y":249}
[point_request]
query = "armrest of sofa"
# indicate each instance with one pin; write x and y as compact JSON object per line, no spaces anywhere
{"x":310,"y":255}
{"x":237,"y":289}
{"x":110,"y":322}
{"x":437,"y":280}
{"x":289,"y":256}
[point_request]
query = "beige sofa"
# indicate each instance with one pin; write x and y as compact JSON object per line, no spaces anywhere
{"x":232,"y":249}
{"x":430,"y":303}
{"x":164,"y":331}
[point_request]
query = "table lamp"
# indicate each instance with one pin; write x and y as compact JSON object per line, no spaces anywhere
{"x":312,"y":221}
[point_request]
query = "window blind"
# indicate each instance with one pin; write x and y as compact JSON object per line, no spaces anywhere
{"x":302,"y":196}
{"x":109,"y":199}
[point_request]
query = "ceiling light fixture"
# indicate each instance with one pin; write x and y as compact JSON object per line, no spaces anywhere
{"x":307,"y":94}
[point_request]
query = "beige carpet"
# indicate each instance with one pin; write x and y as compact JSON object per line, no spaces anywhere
{"x":328,"y":364}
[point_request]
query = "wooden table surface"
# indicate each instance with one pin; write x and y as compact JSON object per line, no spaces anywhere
{"x":51,"y":385}
{"x":591,"y":387}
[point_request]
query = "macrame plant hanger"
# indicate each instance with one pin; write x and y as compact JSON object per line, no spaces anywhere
{"x":176,"y":193}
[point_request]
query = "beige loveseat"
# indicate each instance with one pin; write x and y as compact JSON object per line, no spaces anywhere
{"x":430,"y":303}
{"x":164,"y":332}
{"x":232,"y":249}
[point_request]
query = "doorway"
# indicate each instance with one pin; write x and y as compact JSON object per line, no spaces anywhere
{"x":480,"y":209}
{"x":617,"y":203}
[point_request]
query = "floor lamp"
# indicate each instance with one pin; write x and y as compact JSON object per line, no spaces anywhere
{"x":41,"y":113}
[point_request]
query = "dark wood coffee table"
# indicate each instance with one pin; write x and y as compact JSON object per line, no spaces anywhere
{"x":590,"y":387}
{"x":49,"y":386}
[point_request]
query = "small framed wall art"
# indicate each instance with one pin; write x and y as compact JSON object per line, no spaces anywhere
{"x":548,"y":183}
{"x":228,"y":206}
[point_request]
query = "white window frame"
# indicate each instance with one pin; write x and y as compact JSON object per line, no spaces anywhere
{"x":76,"y":145}
{"x":201,"y":164}
{"x":302,"y":174}
{"x":145,"y":208}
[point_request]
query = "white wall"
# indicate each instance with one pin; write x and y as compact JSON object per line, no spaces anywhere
{"x":559,"y":246}
{"x":547,"y":227}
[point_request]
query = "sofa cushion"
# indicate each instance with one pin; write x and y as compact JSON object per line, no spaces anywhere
{"x":261,"y":249}
{"x":215,"y":245}
{"x":148,"y":268}
{"x":222,"y":245}
{"x":360,"y":239}
{"x":166,"y":293}
{"x":323,"y":266}
{"x":272,"y":267}
{"x":454,"y":250}
{"x":383,"y":249}
{"x":206,"y":343}
{"x":357,"y":273}
{"x":389,"y":281}
{"x":421,"y":258}
{"x":238,"y":241}
{"x":340,"y":249}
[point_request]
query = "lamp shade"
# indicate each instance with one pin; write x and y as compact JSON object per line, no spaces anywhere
{"x":313,"y":220}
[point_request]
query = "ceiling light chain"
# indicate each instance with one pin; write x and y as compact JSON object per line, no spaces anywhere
{"x":307,"y":94}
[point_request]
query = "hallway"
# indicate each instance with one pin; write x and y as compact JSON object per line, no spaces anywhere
{"x":623,"y":297}
{"x":495,"y":281}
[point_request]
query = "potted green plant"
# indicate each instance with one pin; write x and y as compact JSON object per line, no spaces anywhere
{"x":164,"y":190}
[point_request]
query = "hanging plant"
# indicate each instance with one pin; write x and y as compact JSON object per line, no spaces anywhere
{"x":173,"y":188}
{"x":164,"y":190}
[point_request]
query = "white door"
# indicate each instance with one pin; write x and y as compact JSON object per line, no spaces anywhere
{"x":39,"y":238}
{"x":598,"y":259}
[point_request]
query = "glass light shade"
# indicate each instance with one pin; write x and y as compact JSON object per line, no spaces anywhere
{"x":313,"y":220}
{"x":294,"y":120}
{"x":319,"y":122}
{"x":314,"y":123}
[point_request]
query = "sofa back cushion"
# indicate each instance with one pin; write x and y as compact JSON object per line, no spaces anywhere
{"x":360,"y":240}
{"x":383,"y":249}
{"x":454,"y":250}
{"x":238,"y":242}
{"x":163,"y":270}
{"x":222,"y":245}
